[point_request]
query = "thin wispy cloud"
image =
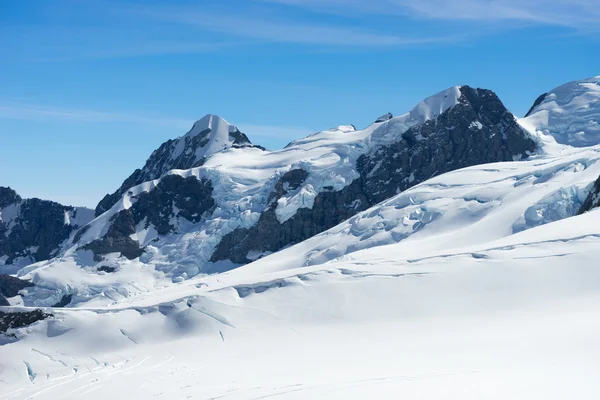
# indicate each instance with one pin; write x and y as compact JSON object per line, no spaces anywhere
{"x":577,"y":14}
{"x":31,"y":112}
{"x":275,"y":31}
{"x":20,"y":111}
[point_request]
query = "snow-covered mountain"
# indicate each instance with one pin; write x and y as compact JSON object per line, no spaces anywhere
{"x":33,"y":230}
{"x":244,"y":202}
{"x":449,"y":279}
{"x":569,"y":113}
{"x":209,"y":135}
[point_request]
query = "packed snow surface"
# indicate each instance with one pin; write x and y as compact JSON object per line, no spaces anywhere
{"x":516,"y":318}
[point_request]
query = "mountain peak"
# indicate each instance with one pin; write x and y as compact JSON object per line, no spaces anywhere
{"x":212,"y":122}
{"x":569,"y":113}
{"x":209,"y":135}
{"x":8,"y":196}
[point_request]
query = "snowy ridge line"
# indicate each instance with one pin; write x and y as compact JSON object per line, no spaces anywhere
{"x":242,"y":179}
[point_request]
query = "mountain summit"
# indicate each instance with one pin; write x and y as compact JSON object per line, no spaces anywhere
{"x":208,"y":135}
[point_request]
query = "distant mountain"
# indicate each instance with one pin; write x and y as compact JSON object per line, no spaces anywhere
{"x":33,"y":230}
{"x":570,"y":115}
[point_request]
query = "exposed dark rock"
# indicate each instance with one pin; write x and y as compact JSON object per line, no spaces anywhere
{"x":384,"y":117}
{"x":329,"y":209}
{"x":80,"y":233}
{"x":8,"y":197}
{"x":10,"y":285}
{"x":107,"y":269}
{"x":239,"y":139}
{"x":189,"y":196}
{"x":19,"y":319}
{"x":117,"y":239}
{"x":593,"y":199}
{"x":3,"y":301}
{"x":536,"y":103}
{"x":66,"y":299}
{"x":37,"y":228}
{"x":478,"y":130}
{"x":291,"y":180}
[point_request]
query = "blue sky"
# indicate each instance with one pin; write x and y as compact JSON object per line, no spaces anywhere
{"x":88,"y":89}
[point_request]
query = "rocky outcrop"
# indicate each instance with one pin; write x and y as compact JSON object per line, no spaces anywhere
{"x":173,"y":197}
{"x":10,"y":285}
{"x":20,"y":319}
{"x":536,"y":103}
{"x":478,"y":130}
{"x":384,"y":117}
{"x":8,"y":197}
{"x":208,"y":135}
{"x":34,"y":229}
{"x":592,"y":200}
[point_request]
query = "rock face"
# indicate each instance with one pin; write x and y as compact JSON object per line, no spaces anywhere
{"x":477,"y":130}
{"x":19,"y":319}
{"x":593,"y":199}
{"x":208,"y":135}
{"x":384,"y":117}
{"x":536,"y":103}
{"x":10,"y":286}
{"x":173,"y":197}
{"x":33,"y":229}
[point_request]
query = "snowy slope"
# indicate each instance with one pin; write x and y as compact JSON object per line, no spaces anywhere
{"x":458,"y":209}
{"x":569,"y":113}
{"x":462,"y":208}
{"x":511,"y":318}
